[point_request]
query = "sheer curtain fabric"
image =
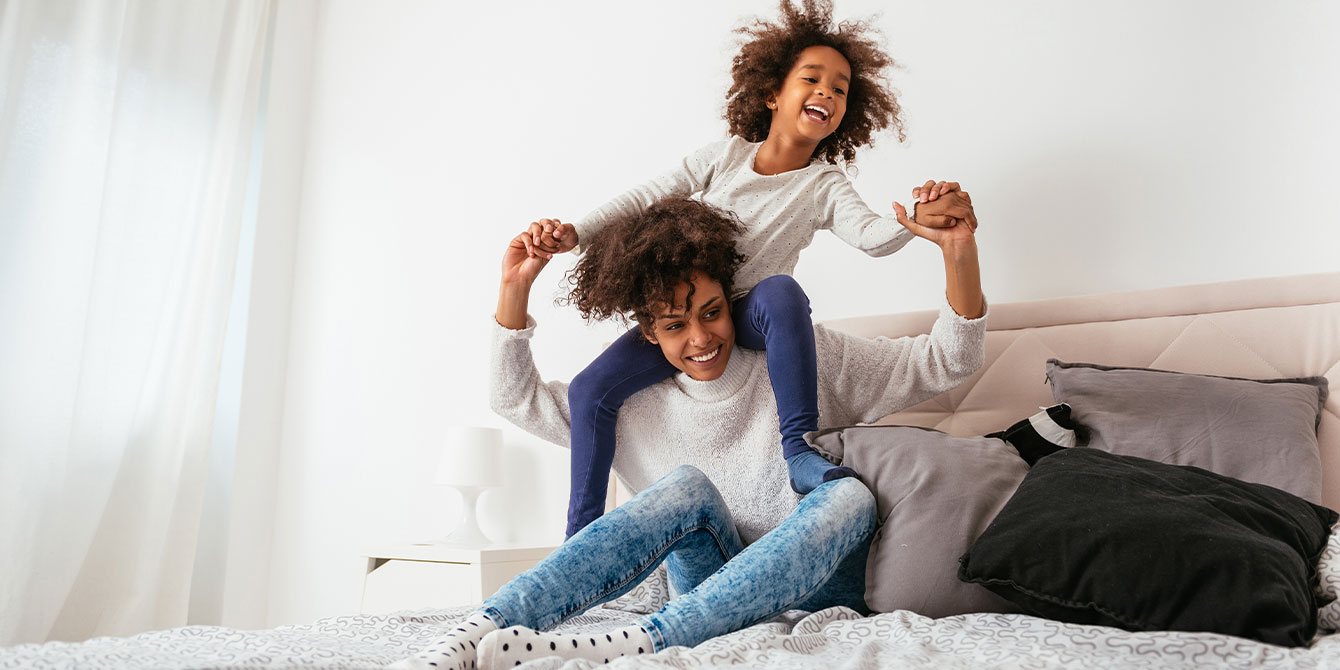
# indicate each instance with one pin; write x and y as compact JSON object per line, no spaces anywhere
{"x":126,"y":137}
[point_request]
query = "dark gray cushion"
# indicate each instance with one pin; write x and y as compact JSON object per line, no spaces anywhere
{"x":1256,"y":430}
{"x":935,"y":494}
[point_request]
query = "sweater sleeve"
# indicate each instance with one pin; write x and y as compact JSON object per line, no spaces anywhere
{"x":846,"y":214}
{"x":517,"y":393}
{"x":871,"y":378}
{"x":692,"y":175}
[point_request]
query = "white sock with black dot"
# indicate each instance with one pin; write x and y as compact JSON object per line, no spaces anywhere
{"x":513,"y":646}
{"x":457,"y":650}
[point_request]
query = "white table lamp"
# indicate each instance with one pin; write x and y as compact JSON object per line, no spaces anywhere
{"x":471,"y":463}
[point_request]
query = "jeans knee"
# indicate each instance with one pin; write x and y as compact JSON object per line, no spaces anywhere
{"x":852,"y":497}
{"x":586,"y":389}
{"x":689,"y":491}
{"x":781,"y":290}
{"x":689,"y":477}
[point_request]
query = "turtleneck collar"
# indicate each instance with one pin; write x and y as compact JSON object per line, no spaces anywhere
{"x":739,"y":368}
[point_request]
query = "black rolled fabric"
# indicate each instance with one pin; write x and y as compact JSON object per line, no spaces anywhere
{"x":1097,"y":538}
{"x":1061,"y":432}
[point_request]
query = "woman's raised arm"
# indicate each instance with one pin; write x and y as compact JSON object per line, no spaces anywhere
{"x":963,"y":277}
{"x":521,"y":264}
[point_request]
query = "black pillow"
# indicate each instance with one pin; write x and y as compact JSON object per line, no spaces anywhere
{"x":1097,"y":538}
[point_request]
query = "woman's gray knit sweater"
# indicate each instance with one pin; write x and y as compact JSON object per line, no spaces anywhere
{"x":728,"y":427}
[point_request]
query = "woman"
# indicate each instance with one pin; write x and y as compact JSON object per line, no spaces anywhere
{"x":700,"y":449}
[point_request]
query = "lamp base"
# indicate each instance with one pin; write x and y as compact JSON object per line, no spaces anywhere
{"x":468,"y":532}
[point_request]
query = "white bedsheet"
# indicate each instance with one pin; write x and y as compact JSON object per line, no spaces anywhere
{"x":834,"y":639}
{"x":838,"y":639}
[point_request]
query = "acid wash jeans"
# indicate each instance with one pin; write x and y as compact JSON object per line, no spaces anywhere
{"x":814,"y":559}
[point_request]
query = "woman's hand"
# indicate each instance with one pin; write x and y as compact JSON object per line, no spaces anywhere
{"x":522,"y":262}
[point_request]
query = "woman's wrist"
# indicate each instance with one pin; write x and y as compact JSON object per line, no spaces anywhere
{"x":960,"y":249}
{"x":963,"y":283}
{"x":513,"y":301}
{"x":516,"y":285}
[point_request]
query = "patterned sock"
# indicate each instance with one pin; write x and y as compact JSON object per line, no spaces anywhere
{"x":808,"y":470}
{"x":455,"y":650}
{"x":1044,"y":433}
{"x":1328,"y":582}
{"x":513,"y":646}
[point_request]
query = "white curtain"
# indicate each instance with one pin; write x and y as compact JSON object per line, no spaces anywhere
{"x":126,"y":139}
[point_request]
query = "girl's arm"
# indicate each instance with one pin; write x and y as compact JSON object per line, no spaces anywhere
{"x":516,"y":391}
{"x":844,"y":212}
{"x":692,"y":175}
{"x":856,"y":224}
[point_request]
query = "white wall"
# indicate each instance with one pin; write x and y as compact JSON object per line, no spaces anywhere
{"x":1108,"y":146}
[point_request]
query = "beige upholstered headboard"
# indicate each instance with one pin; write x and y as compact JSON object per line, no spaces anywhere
{"x":1258,"y":328}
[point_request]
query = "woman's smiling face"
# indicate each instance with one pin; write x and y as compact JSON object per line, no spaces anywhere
{"x":696,"y":333}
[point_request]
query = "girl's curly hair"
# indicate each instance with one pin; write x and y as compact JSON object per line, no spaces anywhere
{"x":636,"y":261}
{"x":770,"y":51}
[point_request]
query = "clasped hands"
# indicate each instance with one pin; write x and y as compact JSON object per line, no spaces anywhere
{"x":944,"y":213}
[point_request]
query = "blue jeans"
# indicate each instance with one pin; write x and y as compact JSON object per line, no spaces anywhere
{"x":814,"y":559}
{"x":774,"y":316}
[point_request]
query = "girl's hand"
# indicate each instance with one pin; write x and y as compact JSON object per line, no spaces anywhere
{"x":563,"y":236}
{"x":521,"y":262}
{"x":932,"y":190}
{"x":551,"y":236}
{"x":536,"y":244}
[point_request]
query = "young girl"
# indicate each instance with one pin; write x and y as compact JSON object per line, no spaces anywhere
{"x":806,"y":94}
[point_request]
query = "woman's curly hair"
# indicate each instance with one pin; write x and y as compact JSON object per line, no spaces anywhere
{"x":635,"y":262}
{"x":771,"y":50}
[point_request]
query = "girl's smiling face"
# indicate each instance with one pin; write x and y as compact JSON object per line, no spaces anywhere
{"x":696,"y":333}
{"x":813,"y":97}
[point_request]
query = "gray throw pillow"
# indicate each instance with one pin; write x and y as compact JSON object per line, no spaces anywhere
{"x":935,"y":494}
{"x":1257,"y":430}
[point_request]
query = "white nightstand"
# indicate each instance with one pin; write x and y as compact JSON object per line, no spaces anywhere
{"x":406,"y":576}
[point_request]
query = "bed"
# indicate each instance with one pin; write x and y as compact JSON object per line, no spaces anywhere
{"x":1260,"y":328}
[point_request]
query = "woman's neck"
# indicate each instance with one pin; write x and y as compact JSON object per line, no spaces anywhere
{"x":739,"y":367}
{"x":776,"y":156}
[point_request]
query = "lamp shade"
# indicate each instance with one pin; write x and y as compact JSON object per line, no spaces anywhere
{"x":471,"y":457}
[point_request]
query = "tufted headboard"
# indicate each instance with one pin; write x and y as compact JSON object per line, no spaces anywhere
{"x":1256,"y":328}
